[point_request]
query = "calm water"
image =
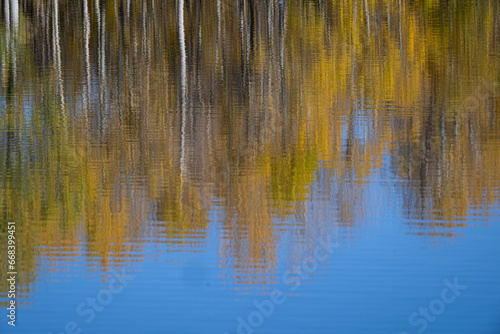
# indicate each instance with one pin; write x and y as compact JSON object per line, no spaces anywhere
{"x":251,"y":166}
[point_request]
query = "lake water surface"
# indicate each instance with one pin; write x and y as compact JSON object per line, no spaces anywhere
{"x":251,"y":166}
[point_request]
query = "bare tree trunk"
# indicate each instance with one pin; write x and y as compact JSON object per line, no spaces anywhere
{"x":101,"y":20}
{"x":282,"y":35}
{"x":400,"y":32}
{"x":389,"y":15}
{"x":182,"y":51}
{"x":242,"y":44}
{"x":56,"y":42}
{"x":86,"y":26}
{"x":14,"y":13}
{"x":367,"y":14}
{"x":217,"y":50}
{"x":6,"y":7}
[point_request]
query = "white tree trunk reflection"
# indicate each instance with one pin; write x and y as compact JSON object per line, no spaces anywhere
{"x":182,"y":51}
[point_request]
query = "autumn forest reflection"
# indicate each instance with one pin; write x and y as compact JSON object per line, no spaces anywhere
{"x":124,"y":122}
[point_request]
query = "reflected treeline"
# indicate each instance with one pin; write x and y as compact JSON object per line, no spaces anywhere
{"x":129,"y":120}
